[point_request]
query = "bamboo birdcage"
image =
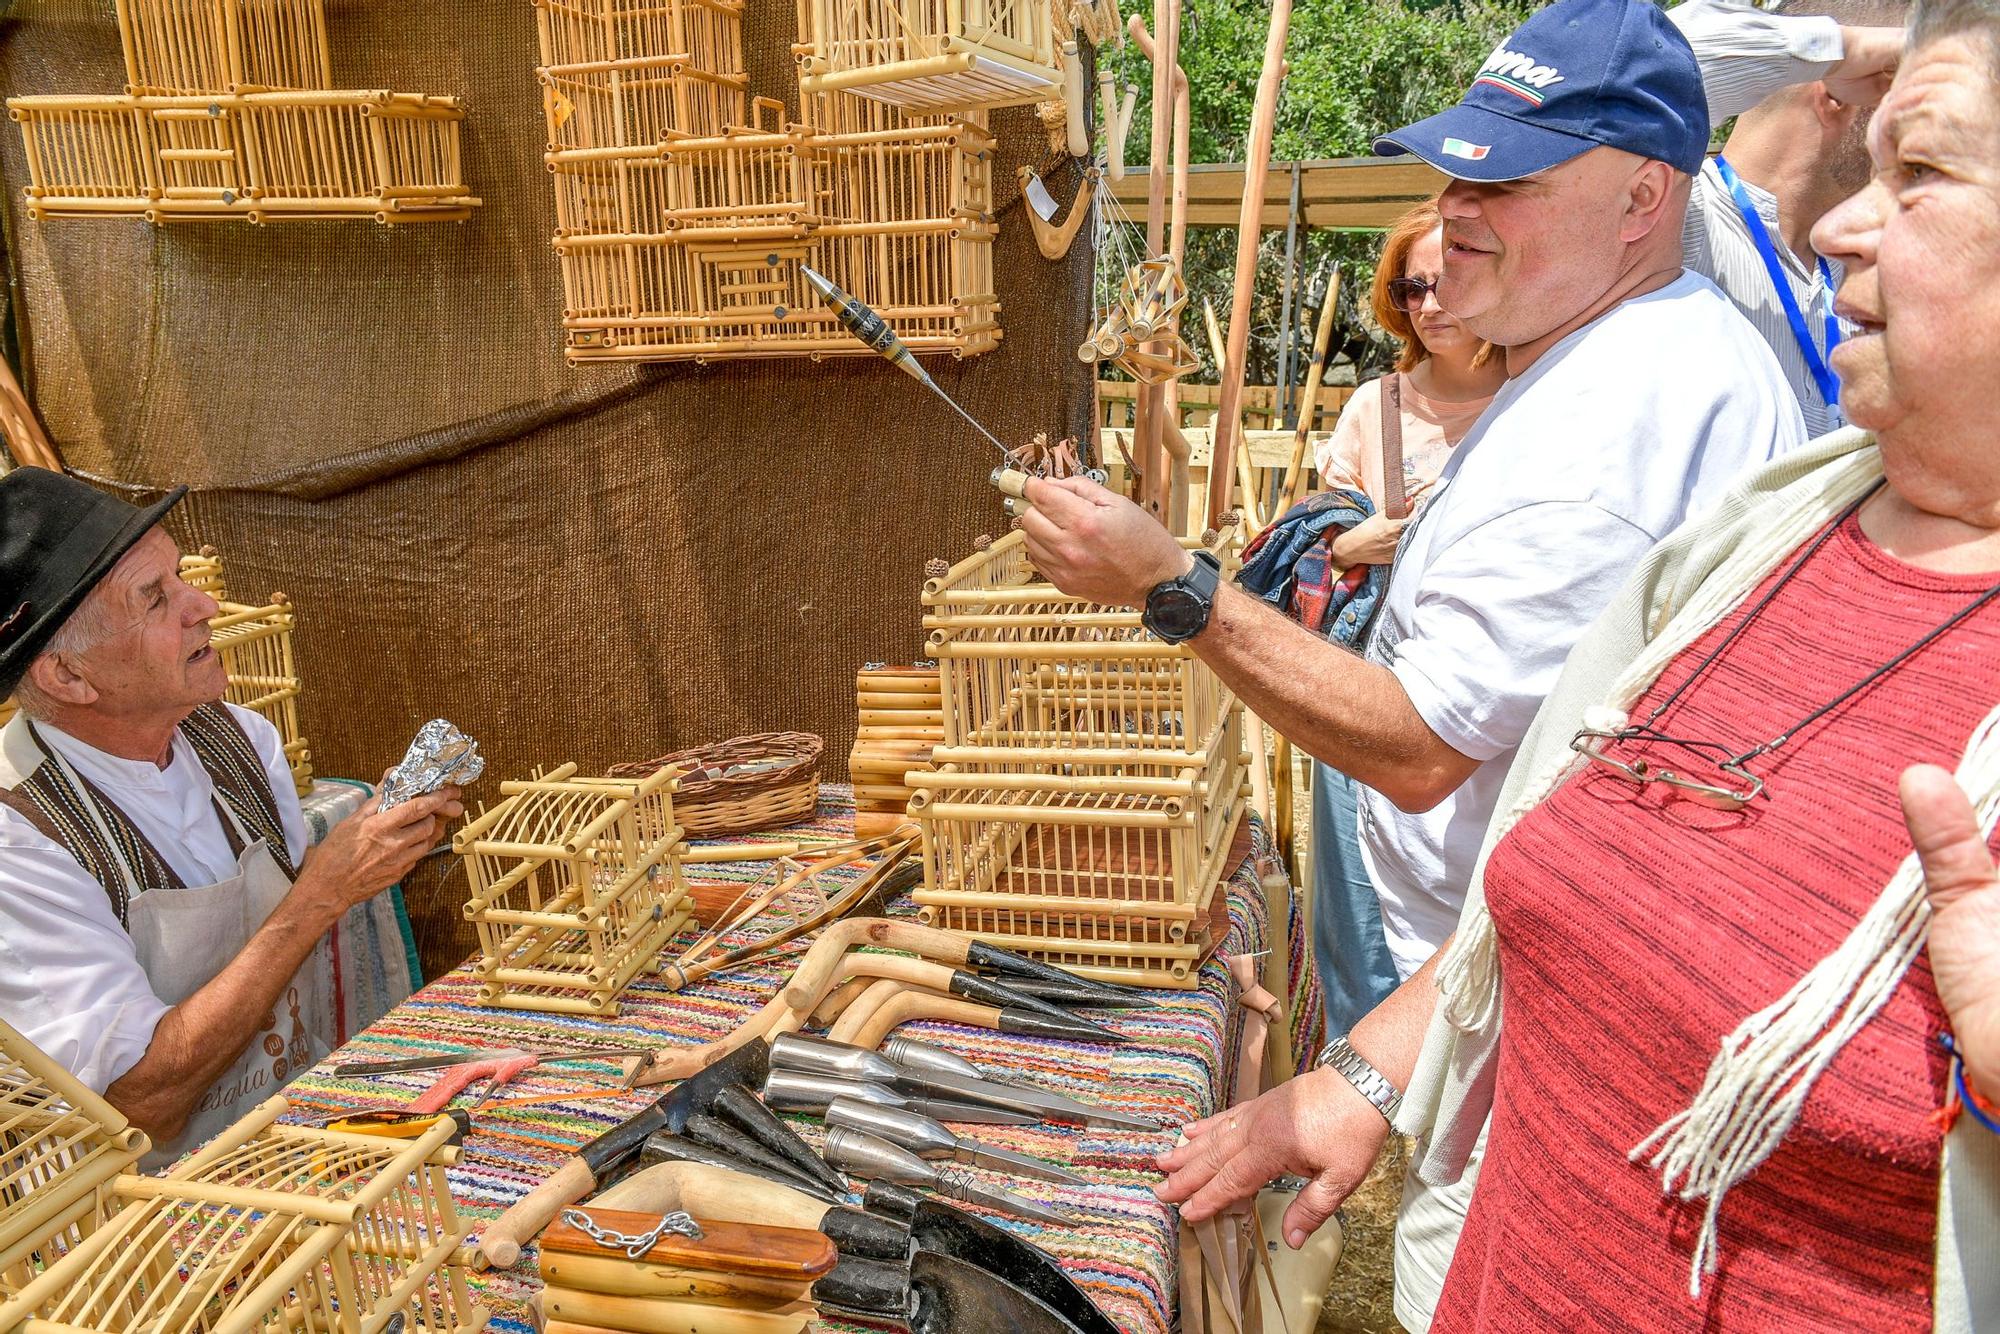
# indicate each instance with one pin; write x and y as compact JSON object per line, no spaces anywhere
{"x":60,"y":1147}
{"x":930,"y":55}
{"x":269,"y":1228}
{"x":255,"y":644}
{"x":229,"y":112}
{"x":1090,"y":780}
{"x":685,"y":206}
{"x":576,"y":887}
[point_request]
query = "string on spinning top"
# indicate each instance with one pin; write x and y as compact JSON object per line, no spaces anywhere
{"x":859,"y":320}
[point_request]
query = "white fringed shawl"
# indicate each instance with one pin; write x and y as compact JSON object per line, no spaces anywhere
{"x":1766,"y":1068}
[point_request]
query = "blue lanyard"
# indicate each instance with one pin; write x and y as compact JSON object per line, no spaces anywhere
{"x":1828,"y":382}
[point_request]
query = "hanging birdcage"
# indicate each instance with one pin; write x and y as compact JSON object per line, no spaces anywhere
{"x":229,"y":112}
{"x":685,"y":207}
{"x":930,"y":55}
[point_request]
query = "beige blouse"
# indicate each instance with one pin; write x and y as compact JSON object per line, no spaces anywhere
{"x":1352,"y":455}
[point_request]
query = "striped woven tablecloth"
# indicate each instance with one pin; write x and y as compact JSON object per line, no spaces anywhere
{"x":1122,"y":1247}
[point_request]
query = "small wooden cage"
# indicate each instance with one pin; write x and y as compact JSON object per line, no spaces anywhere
{"x":576,"y":886}
{"x":685,"y":206}
{"x":229,"y":112}
{"x":930,"y":55}
{"x":269,"y":1227}
{"x":60,"y":1147}
{"x":255,"y":644}
{"x":1090,"y":780}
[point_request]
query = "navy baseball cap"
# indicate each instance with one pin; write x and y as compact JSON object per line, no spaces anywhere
{"x":1576,"y":75}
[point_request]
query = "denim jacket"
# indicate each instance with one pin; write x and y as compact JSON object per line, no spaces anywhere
{"x":1290,"y":567}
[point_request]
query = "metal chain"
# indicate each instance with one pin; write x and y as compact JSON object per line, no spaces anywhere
{"x":677,"y":1224}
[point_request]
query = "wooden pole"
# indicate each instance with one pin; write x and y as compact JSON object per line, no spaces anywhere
{"x":1257,"y":165}
{"x":29,"y":444}
{"x":1295,"y":471}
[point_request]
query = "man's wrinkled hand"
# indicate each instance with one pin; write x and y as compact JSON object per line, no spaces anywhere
{"x":1965,"y":916}
{"x":1094,"y":544}
{"x":1869,"y":57}
{"x":1314,"y":1125}
{"x":373,"y":848}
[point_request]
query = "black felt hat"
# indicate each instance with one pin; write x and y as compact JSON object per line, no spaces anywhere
{"x":58,"y":537}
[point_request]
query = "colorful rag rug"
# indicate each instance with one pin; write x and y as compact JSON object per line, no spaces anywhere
{"x":1122,"y":1248}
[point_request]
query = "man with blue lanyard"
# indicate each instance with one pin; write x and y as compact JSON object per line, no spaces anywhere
{"x":1801,"y":81}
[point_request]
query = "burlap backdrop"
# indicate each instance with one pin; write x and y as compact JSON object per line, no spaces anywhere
{"x":594,"y":564}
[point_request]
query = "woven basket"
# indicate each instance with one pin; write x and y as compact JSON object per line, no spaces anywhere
{"x":743,"y":803}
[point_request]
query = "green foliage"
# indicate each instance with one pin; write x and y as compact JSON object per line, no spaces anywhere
{"x":1357,"y":68}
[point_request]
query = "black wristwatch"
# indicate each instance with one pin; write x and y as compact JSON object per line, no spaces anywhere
{"x":1178,"y":609}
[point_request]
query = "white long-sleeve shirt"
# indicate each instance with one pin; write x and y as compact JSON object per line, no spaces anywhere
{"x":69,"y":980}
{"x":1745,"y":56}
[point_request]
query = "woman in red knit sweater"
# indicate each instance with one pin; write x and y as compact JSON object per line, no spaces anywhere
{"x":1720,"y":1094}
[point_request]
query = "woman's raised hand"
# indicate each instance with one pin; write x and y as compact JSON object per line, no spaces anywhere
{"x":1965,"y":924}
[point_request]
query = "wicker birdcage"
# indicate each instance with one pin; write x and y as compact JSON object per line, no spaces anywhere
{"x":60,"y":1147}
{"x":576,"y":886}
{"x":1090,"y":780}
{"x":685,"y":206}
{"x":255,"y":644}
{"x":229,"y":112}
{"x":930,"y":55}
{"x":269,"y":1228}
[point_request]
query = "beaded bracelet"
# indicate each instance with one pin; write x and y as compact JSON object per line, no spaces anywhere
{"x":1982,"y":1111}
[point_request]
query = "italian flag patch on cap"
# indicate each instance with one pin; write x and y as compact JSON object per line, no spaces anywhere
{"x":1470,"y":152}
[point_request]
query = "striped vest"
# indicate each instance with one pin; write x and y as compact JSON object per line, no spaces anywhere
{"x":105,"y":842}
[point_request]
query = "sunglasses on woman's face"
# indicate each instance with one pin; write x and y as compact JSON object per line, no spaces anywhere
{"x":1408,"y":293}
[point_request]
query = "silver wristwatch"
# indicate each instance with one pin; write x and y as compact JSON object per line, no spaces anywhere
{"x":1369,"y":1082}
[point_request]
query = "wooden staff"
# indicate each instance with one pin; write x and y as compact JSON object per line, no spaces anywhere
{"x":1173,"y":443}
{"x":1295,"y":471}
{"x":1256,"y":166}
{"x":908,"y":1006}
{"x":821,"y":969}
{"x":1253,"y":517}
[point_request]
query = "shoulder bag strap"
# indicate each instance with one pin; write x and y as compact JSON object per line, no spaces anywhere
{"x":1395,"y":504}
{"x":241,"y":781}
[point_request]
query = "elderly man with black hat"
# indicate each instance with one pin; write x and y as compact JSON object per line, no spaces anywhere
{"x":158,"y":909}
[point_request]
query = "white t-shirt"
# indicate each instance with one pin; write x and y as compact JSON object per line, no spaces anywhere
{"x":1612,"y":439}
{"x":69,"y":980}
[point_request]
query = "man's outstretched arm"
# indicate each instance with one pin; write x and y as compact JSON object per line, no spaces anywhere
{"x":1352,"y":714}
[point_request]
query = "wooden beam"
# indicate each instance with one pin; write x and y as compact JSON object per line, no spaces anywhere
{"x":1341,"y":193}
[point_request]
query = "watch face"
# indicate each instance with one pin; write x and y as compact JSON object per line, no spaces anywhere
{"x":1176,"y":613}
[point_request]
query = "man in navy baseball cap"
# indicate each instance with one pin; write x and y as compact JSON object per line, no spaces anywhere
{"x":1577,"y":75}
{"x":1636,"y":395}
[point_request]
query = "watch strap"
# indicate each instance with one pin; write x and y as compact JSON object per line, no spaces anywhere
{"x":1369,"y":1082}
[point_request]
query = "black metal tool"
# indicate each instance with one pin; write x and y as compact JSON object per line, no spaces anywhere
{"x":501,"y":1241}
{"x":739,"y":1106}
{"x":666,"y":1147}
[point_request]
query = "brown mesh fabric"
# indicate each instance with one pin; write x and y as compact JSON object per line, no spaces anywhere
{"x":599,"y":564}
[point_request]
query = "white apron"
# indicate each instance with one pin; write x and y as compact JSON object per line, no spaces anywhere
{"x":184,"y":937}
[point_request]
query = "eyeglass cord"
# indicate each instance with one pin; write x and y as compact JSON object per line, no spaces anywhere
{"x":1648,"y":731}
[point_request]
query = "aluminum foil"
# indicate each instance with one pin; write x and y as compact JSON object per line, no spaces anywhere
{"x":441,"y":754}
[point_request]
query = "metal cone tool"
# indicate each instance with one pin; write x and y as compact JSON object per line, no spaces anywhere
{"x":864,"y":1155}
{"x":927,"y":1139}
